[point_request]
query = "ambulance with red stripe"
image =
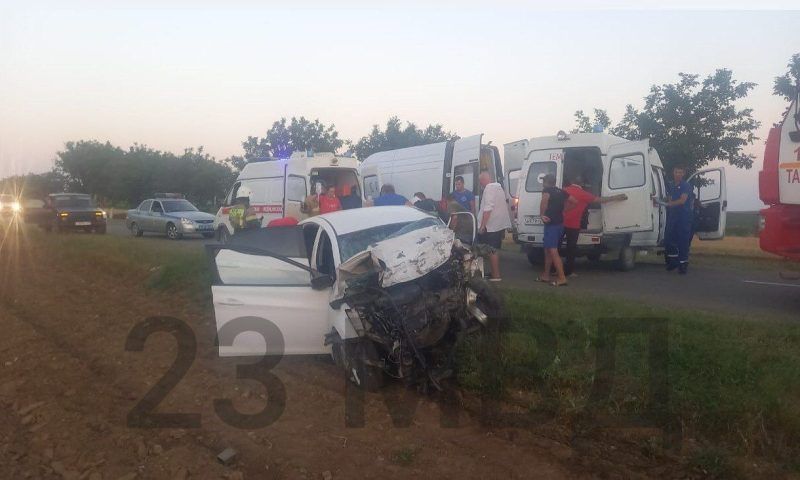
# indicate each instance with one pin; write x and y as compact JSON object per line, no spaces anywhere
{"x":779,"y":187}
{"x":278,"y":188}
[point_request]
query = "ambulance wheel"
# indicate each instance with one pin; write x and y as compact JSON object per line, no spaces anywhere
{"x":536,"y":256}
{"x":223,"y":236}
{"x":594,"y":257}
{"x":627,"y":259}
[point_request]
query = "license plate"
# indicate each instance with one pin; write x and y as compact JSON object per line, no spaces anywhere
{"x":205,"y":227}
{"x":533,"y":220}
{"x":82,"y":224}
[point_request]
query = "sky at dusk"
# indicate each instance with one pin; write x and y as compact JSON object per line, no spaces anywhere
{"x":173,"y":75}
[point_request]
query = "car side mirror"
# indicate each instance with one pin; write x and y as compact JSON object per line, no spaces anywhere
{"x":321,"y":282}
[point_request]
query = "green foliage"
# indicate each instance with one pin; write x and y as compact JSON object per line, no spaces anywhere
{"x":405,"y":456}
{"x":116,"y":176}
{"x":732,"y":381}
{"x":691,"y":121}
{"x":788,"y":84}
{"x":585,"y":125}
{"x":398,"y":136}
{"x":742,"y":224}
{"x":298,"y":135}
{"x":34,"y":185}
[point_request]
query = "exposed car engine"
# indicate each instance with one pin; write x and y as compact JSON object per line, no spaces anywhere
{"x":409,"y":330}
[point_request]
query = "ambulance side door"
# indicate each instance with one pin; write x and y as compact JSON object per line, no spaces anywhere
{"x":466,"y":163}
{"x":370,"y":183}
{"x":296,"y":190}
{"x":627,"y":171}
{"x":711,"y":203}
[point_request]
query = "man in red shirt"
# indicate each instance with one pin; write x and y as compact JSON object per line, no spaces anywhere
{"x":329,"y":202}
{"x":574,"y":215}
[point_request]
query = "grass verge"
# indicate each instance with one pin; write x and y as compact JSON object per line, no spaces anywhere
{"x":733,"y":383}
{"x":161,"y":266}
{"x":729,"y":381}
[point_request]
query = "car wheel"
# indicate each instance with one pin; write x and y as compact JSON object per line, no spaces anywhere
{"x":361,"y":355}
{"x":489,"y":301}
{"x":627,"y":259}
{"x":224,"y":237}
{"x":172,"y":232}
{"x":536,"y":256}
{"x":135,"y":230}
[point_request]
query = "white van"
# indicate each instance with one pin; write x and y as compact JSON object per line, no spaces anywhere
{"x":280,"y":186}
{"x":431,"y":169}
{"x":609,"y":165}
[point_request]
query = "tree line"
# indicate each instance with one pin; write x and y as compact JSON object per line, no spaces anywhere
{"x":691,"y":121}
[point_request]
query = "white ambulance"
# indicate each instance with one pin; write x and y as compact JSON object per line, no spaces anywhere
{"x":609,"y":165}
{"x":432,"y":169}
{"x":279,"y":187}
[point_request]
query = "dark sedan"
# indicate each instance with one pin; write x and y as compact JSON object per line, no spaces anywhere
{"x":71,"y":211}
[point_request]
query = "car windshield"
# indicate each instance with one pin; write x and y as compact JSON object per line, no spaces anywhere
{"x":178,"y":206}
{"x":356,"y":242}
{"x":73,"y":202}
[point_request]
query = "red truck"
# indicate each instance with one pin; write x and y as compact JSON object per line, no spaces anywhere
{"x":779,"y":187}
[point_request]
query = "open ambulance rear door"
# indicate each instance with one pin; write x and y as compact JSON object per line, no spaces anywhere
{"x":711,"y":203}
{"x":627,"y":171}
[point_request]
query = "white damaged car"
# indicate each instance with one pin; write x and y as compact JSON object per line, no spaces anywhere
{"x":384,"y":290}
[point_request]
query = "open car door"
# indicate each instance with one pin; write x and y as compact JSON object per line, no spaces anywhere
{"x":262,"y":276}
{"x":627,"y":171}
{"x":711,"y":203}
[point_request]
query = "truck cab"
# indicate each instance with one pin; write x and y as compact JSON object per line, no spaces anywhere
{"x":779,"y":188}
{"x":609,"y":165}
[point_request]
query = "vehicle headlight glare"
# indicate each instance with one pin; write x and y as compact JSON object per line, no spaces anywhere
{"x":16,"y":207}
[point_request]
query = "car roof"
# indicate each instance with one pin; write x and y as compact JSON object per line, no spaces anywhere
{"x":353,"y":220}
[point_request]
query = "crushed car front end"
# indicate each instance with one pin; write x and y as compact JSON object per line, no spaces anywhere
{"x":412,"y":297}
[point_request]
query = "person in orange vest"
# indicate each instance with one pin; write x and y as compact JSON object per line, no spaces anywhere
{"x":329,"y":202}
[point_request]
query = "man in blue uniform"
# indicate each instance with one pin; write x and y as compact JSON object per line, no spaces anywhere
{"x":680,"y":213}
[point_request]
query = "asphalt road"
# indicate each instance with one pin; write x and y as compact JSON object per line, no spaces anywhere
{"x":736,"y":288}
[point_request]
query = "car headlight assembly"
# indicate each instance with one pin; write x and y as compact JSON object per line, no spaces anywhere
{"x":476,"y":267}
{"x":16,"y":207}
{"x":186,"y":221}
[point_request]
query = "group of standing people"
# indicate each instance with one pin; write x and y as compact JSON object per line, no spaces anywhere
{"x":493,"y":215}
{"x":564,"y":216}
{"x":325,"y":199}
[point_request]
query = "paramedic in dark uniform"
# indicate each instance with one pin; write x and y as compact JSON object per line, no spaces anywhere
{"x":678,"y":235}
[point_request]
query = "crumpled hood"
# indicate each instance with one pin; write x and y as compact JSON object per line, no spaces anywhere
{"x":399,"y":259}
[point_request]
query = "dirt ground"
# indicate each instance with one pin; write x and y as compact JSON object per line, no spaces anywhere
{"x":67,"y":386}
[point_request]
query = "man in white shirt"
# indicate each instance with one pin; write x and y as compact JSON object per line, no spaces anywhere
{"x":494,"y":220}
